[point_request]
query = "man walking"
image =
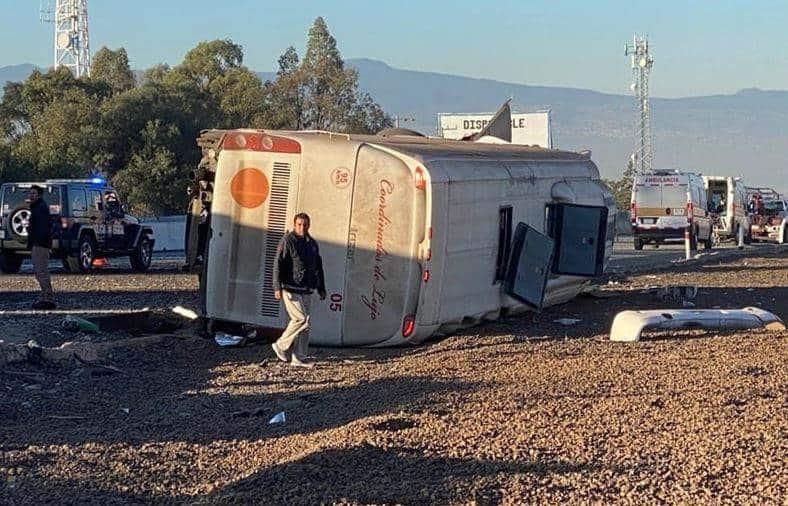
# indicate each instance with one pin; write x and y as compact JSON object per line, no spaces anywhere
{"x":298,"y":270}
{"x":39,"y":241}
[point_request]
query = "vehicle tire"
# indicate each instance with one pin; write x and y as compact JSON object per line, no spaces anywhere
{"x":656,"y":245}
{"x":10,"y":263}
{"x":86,"y":253}
{"x":748,"y":236}
{"x":638,"y":244}
{"x":785,"y":235}
{"x":142,"y":255}
{"x":66,"y":264}
{"x":18,"y":221}
{"x":708,"y":243}
{"x":694,"y":240}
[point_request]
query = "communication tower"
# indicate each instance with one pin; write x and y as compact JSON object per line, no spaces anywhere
{"x":641,"y":61}
{"x":72,"y":48}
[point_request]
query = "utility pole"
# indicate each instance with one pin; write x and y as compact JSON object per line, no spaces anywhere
{"x":71,"y":42}
{"x":404,"y":119}
{"x":641,"y":62}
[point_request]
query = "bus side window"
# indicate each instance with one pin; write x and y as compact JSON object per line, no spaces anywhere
{"x":504,"y":242}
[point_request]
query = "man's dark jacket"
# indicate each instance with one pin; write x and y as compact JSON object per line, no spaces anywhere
{"x":39,"y":230}
{"x":298,"y":267}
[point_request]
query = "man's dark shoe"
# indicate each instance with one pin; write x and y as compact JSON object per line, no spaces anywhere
{"x":44,"y":304}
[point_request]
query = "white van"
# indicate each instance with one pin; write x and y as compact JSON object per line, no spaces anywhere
{"x":665,"y":204}
{"x":727,"y":201}
{"x":417,"y":235}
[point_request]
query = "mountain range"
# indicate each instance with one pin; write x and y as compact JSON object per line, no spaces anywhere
{"x":745,"y":133}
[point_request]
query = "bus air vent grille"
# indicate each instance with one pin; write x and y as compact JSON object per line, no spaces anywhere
{"x":277,"y":220}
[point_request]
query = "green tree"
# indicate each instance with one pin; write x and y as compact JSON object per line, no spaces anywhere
{"x":60,"y":140}
{"x":10,"y":168}
{"x":124,"y":117}
{"x":153,"y":182}
{"x":622,"y":188}
{"x":320,"y":93}
{"x":112,"y":68}
{"x":286,"y":94}
{"x":156,"y":74}
{"x":241,"y":98}
{"x":367,"y":117}
{"x":329,"y":88}
{"x":206,"y":62}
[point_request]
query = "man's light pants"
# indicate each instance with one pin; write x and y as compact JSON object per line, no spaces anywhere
{"x":40,"y":258}
{"x":297,"y":331}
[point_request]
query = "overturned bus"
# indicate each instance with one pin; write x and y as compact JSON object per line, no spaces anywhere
{"x":418,"y":235}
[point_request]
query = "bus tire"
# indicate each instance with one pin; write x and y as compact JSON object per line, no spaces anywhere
{"x":638,"y":244}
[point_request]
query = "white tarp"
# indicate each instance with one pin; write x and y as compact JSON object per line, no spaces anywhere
{"x":529,"y":128}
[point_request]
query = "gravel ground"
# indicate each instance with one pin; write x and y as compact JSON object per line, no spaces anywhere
{"x":163,"y":287}
{"x":503,"y":413}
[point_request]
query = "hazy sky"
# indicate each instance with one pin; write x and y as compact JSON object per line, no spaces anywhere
{"x":700,"y":47}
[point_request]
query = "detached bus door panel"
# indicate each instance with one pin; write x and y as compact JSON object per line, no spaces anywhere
{"x":529,"y":266}
{"x":579,"y":232}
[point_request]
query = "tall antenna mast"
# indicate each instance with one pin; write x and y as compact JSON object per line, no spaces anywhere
{"x":72,"y":47}
{"x":641,"y":61}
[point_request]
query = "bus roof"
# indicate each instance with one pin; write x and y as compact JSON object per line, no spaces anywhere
{"x":435,"y":147}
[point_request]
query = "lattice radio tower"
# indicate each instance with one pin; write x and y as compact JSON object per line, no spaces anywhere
{"x":72,"y":47}
{"x":642,"y":62}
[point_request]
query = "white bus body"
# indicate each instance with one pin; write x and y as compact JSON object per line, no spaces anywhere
{"x":410,"y":229}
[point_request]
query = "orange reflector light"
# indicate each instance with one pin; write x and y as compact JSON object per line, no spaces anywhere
{"x":426,"y":276}
{"x":258,"y":141}
{"x":419,"y":179}
{"x":408,"y":325}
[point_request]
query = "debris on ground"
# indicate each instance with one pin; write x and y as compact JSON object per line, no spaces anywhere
{"x":629,"y":325}
{"x":224,"y":339}
{"x":567,"y":321}
{"x":34,"y":353}
{"x":186,"y":313}
{"x":502,"y":413}
{"x":674,"y":293}
{"x":76,"y":324}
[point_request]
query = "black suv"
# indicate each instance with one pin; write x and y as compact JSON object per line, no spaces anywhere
{"x":88,"y":222}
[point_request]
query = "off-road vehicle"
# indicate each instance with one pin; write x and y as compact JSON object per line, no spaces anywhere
{"x":87,"y":220}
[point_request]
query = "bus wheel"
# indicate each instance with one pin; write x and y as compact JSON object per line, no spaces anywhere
{"x":638,"y":244}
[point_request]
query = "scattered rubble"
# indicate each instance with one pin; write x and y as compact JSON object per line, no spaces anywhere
{"x":502,"y":413}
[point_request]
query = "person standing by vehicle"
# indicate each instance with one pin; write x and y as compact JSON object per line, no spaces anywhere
{"x":298,"y":270}
{"x":753,"y":206}
{"x":39,"y":241}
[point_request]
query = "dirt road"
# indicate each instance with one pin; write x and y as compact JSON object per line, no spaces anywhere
{"x":525,"y":410}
